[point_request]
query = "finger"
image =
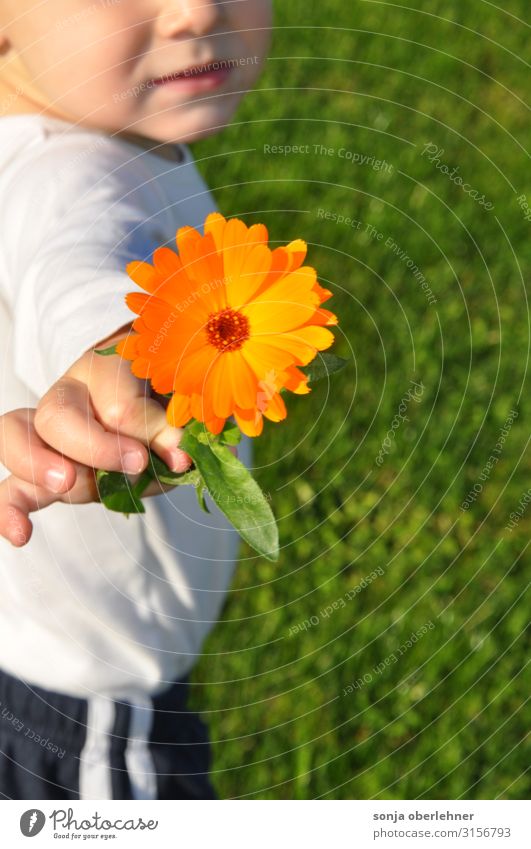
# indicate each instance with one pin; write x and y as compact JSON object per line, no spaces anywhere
{"x":17,"y":499}
{"x":86,"y":488}
{"x":26,"y":456}
{"x":15,"y":525}
{"x":123,"y":404}
{"x":65,"y":420}
{"x":155,"y":487}
{"x":144,"y":418}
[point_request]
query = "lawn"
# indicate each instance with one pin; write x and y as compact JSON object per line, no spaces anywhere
{"x":383,"y":656}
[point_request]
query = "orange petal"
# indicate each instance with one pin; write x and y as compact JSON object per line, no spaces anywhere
{"x":322,"y":316}
{"x":297,"y":253}
{"x":277,"y":316}
{"x":182,"y":293}
{"x":257,"y":233}
{"x":178,"y":410}
{"x":219,"y":387}
{"x":266,"y":356}
{"x":166,"y":261}
{"x":276,"y":409}
{"x":245,"y":285}
{"x":300,"y":345}
{"x":191,"y":372}
{"x":280,"y":264}
{"x":324,"y":294}
{"x":140,"y":326}
{"x":155,"y":313}
{"x":141,"y":368}
{"x":232,"y":383}
{"x":170,"y":338}
{"x":143,"y":274}
{"x":186,"y":237}
{"x":211,"y":272}
{"x":204,"y":267}
{"x":127,"y":348}
{"x":319,"y":337}
{"x":251,"y":423}
{"x":297,"y":284}
{"x":288,"y":303}
{"x":137,"y":301}
{"x":234,"y":248}
{"x":215,"y":425}
{"x":201,"y":406}
{"x":215,"y":224}
{"x":296,"y":381}
{"x":163,"y":376}
{"x":190,"y":245}
{"x":245,"y":255}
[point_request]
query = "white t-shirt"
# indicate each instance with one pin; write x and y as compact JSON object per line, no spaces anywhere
{"x":95,"y":603}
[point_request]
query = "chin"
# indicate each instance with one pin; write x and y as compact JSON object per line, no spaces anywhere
{"x":200,"y":122}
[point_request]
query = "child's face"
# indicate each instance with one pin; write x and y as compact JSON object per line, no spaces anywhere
{"x":95,"y":61}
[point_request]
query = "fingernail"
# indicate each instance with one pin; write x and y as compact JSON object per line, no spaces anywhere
{"x":133,"y":462}
{"x":55,"y":480}
{"x":17,"y":539}
{"x":15,"y":533}
{"x":179,"y":461}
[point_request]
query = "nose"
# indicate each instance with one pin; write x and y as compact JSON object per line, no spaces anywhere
{"x":198,"y":17}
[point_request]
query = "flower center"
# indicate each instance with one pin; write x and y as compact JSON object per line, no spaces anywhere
{"x":227,"y":330}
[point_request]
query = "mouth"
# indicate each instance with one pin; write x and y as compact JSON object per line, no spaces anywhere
{"x":216,"y":69}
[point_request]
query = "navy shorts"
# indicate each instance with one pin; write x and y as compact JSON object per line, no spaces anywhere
{"x":54,"y":746}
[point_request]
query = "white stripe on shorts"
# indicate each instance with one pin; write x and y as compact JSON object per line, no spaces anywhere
{"x":138,"y":759}
{"x":94,"y":759}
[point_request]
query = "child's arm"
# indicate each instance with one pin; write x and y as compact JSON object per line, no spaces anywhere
{"x":93,"y":211}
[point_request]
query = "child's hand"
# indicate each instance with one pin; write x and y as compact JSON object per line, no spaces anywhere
{"x":40,"y":477}
{"x":98,"y":415}
{"x":101,"y":415}
{"x":37,"y":473}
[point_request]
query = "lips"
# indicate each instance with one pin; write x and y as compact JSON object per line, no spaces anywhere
{"x":195,"y":71}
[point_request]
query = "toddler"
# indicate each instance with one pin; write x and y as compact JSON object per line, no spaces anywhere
{"x":102,"y":617}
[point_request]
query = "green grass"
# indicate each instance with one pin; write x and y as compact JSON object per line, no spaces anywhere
{"x":446,"y":720}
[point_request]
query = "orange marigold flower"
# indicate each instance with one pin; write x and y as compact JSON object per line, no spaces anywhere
{"x":226,"y":323}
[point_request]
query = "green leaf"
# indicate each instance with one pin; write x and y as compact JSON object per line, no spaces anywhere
{"x":322,"y":366}
{"x":118,"y":493}
{"x":200,"y":492}
{"x":206,"y":438}
{"x":198,"y":430}
{"x":230,"y":435}
{"x":160,"y":470}
{"x":234,"y":490}
{"x":217,"y":471}
{"x":105,"y":352}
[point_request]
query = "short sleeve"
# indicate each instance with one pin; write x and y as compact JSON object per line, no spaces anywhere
{"x":78,"y":211}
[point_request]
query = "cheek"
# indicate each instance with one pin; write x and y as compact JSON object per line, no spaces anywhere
{"x":82,"y":61}
{"x":255,"y":29}
{"x":254,"y":19}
